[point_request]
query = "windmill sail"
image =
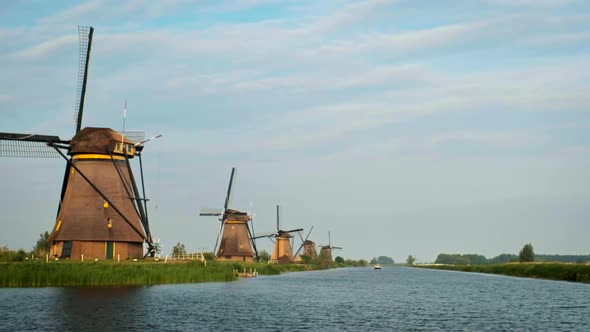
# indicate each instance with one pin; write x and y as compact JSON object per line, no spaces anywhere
{"x":28,"y":145}
{"x":85,"y":36}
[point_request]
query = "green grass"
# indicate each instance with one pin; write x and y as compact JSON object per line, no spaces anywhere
{"x":553,"y":271}
{"x":120,"y":274}
{"x":91,"y":274}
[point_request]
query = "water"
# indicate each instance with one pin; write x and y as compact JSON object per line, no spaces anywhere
{"x":356,"y":299}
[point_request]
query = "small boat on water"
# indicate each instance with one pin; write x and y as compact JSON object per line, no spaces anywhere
{"x":377,"y":267}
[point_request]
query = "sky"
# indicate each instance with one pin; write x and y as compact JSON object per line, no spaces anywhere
{"x":401,"y":127}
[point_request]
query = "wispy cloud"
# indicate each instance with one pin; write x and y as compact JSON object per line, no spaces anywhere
{"x":74,"y":13}
{"x":493,"y":138}
{"x":44,"y":49}
{"x":533,"y":3}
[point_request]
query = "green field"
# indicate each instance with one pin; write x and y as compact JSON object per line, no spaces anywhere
{"x":129,"y":273}
{"x":553,"y":271}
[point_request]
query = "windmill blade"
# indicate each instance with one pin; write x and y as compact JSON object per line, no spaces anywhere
{"x":142,"y":142}
{"x":26,"y":149}
{"x":29,"y":145}
{"x":227,"y":196}
{"x":259,"y":236}
{"x":252,"y":241}
{"x":335,"y":247}
{"x":278,"y":218}
{"x":300,"y":247}
{"x":251,"y":233}
{"x":210,"y":212}
{"x":309,"y":233}
{"x":85,"y":37}
{"x":293,"y":230}
{"x":217,"y":240}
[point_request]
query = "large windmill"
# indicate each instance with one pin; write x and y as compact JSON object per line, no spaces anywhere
{"x":326,"y":251}
{"x":101,"y":212}
{"x":236,"y":237}
{"x":283,"y":250}
{"x":308,"y":246}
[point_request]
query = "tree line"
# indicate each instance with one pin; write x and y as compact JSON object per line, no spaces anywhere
{"x":526,"y":254}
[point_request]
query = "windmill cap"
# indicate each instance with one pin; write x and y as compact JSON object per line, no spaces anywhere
{"x":96,"y":140}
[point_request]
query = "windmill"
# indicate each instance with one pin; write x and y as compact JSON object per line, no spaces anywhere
{"x":101,"y":212}
{"x":308,"y":247}
{"x":236,"y":238}
{"x":326,"y":251}
{"x":283,"y":250}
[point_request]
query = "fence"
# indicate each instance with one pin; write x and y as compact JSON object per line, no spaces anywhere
{"x":188,"y":257}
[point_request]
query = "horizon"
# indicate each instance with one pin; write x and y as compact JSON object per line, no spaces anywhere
{"x":402,"y":128}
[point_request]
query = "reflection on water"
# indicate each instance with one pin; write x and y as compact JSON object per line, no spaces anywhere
{"x":358,"y":299}
{"x":101,"y":308}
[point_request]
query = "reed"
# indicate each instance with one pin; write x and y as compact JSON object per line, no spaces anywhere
{"x":129,"y":273}
{"x":552,"y":271}
{"x":102,"y":273}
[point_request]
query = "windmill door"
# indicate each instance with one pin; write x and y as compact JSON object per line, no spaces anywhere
{"x":66,"y":250}
{"x":109,"y":250}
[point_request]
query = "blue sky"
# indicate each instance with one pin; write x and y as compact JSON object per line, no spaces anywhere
{"x":403,"y":127}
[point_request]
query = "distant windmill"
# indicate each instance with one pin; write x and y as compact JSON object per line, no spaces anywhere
{"x":308,"y":246}
{"x":326,"y":251}
{"x":283,"y":251}
{"x":101,"y":213}
{"x":236,"y":237}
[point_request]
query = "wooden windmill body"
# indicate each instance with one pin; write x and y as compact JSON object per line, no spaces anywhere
{"x":309,"y":248}
{"x":86,"y":223}
{"x":283,"y":251}
{"x":236,"y":238}
{"x":325,"y":255}
{"x":101,"y":213}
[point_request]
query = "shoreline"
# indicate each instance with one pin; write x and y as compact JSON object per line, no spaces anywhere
{"x":540,"y":270}
{"x":129,"y":273}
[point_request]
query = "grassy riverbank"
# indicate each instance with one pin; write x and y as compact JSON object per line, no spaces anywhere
{"x":553,"y":271}
{"x":119,"y":274}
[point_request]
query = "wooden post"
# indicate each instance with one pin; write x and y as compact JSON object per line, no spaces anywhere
{"x":47,"y":257}
{"x":82,"y":257}
{"x":118,"y":257}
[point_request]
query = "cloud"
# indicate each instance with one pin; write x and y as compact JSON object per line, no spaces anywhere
{"x":488,"y":138}
{"x":532,"y":3}
{"x":44,"y":49}
{"x":74,"y":13}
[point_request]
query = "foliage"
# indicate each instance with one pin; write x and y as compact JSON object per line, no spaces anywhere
{"x":527,"y":254}
{"x":43,"y":245}
{"x":503,"y":258}
{"x":554,"y":271}
{"x":383,"y":260}
{"x":8,"y":255}
{"x":325,"y":258}
{"x":410,"y":260}
{"x":307,"y":259}
{"x":339,"y":260}
{"x":359,"y":263}
{"x":209,"y":256}
{"x":178,"y":249}
{"x":458,"y":259}
{"x":563,"y":258}
{"x":263,"y":256}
